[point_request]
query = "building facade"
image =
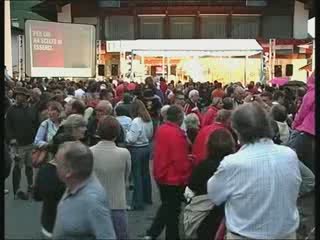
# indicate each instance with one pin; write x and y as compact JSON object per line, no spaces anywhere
{"x":263,"y":20}
{"x":188,"y":19}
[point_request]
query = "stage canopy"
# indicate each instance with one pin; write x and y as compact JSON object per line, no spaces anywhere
{"x":184,"y":47}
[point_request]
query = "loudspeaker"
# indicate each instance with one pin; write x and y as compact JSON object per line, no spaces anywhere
{"x":289,"y":70}
{"x":101,"y":69}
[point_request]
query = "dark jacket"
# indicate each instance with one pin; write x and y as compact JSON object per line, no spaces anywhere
{"x":153,"y":105}
{"x":93,"y":138}
{"x":21,"y":124}
{"x":201,"y":174}
{"x":198,"y":184}
{"x":49,"y":189}
{"x":159,"y":93}
{"x":8,"y":161}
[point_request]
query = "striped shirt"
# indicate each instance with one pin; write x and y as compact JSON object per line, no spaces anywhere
{"x":259,"y":185}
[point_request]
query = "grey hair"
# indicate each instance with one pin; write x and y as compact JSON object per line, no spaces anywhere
{"x":252,"y":123}
{"x":192,"y":121}
{"x":77,"y":158}
{"x":74,"y":121}
{"x":223,"y":116}
{"x":107,"y":105}
{"x":238,"y":89}
{"x":163,"y":111}
{"x":193,"y":93}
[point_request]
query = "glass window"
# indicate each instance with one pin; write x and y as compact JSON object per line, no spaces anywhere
{"x":151,"y":27}
{"x":182,"y":27}
{"x":257,"y":3}
{"x":245,"y":26}
{"x":289,"y":70}
{"x":119,"y":28}
{"x":213,"y":27}
{"x":109,"y":3}
{"x":278,"y":71}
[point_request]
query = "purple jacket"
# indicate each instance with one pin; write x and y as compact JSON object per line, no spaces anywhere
{"x":304,"y":120}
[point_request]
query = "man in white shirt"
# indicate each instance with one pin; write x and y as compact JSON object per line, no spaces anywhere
{"x":260,"y":183}
{"x":79,"y":93}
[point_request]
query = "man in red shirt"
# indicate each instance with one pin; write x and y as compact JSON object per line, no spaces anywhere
{"x":199,"y":148}
{"x":218,"y":92}
{"x":171,"y":170}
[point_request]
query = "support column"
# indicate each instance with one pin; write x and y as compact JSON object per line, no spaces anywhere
{"x":143,"y":73}
{"x":313,"y":54}
{"x":21,"y":57}
{"x":245,"y":70}
{"x":7,"y":45}
{"x":163,"y":67}
{"x":169,"y":68}
{"x":131,"y":73}
{"x":122,"y":64}
{"x":262,"y":73}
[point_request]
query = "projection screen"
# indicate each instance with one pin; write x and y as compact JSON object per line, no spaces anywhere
{"x":60,"y":49}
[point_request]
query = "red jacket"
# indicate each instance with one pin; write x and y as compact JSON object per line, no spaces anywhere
{"x":171,"y":165}
{"x":199,"y":148}
{"x":163,"y":87}
{"x":209,"y":117}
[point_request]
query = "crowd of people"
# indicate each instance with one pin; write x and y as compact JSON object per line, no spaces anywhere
{"x":233,"y":159}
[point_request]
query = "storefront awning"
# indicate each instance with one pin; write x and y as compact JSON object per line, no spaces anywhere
{"x":184,"y":47}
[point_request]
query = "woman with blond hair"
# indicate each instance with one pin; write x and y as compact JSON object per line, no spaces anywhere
{"x":138,"y":139}
{"x":49,"y":127}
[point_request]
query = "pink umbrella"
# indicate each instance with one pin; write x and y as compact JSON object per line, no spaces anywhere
{"x":280,"y":81}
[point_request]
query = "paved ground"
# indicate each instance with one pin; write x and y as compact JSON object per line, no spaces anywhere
{"x":22,"y":218}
